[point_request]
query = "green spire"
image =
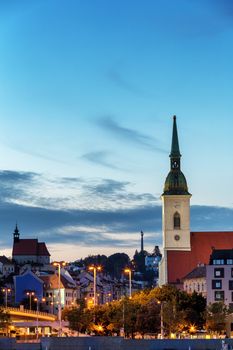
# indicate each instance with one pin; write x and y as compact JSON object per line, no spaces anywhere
{"x":175,"y":150}
{"x":175,"y":183}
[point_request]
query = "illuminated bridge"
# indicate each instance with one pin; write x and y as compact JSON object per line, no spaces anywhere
{"x":21,"y":314}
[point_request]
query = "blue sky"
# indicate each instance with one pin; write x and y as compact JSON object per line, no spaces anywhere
{"x":87,"y":94}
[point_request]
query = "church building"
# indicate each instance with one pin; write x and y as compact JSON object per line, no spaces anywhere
{"x":183,"y":250}
{"x":29,"y":250}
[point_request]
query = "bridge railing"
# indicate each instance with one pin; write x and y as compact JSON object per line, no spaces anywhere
{"x":27,"y":311}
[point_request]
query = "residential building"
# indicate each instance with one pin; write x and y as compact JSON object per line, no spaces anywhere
{"x":219,"y":276}
{"x":6,"y":266}
{"x":28,"y":286}
{"x":195,"y":281}
{"x":68,"y":290}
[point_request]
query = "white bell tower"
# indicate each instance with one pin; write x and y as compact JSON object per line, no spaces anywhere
{"x":175,"y":209}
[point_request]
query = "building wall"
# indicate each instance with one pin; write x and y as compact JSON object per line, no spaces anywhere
{"x":7,"y":269}
{"x":195,"y":285}
{"x":219,"y":284}
{"x":23,"y":259}
{"x":171,"y":205}
{"x":68,"y":299}
{"x":27,"y":282}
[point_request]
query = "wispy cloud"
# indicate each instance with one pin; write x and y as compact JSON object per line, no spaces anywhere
{"x":100,"y":158}
{"x":114,"y":76}
{"x":89,"y":213}
{"x":109,"y":187}
{"x":19,"y":148}
{"x":129,"y":135}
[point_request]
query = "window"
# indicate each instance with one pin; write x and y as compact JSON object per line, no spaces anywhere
{"x":218,"y":262}
{"x":230,"y":284}
{"x":219,"y":295}
{"x":216,"y":284}
{"x":219,"y":272}
{"x":229,"y":261}
{"x":176,"y":219}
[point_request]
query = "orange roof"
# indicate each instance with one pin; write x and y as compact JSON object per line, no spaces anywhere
{"x":30,"y":247}
{"x":180,"y":263}
{"x":52,"y":282}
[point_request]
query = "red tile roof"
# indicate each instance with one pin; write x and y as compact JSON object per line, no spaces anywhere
{"x":52,"y":282}
{"x":180,"y":263}
{"x":30,"y":247}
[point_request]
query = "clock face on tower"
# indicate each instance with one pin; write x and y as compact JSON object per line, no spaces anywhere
{"x":177,"y":237}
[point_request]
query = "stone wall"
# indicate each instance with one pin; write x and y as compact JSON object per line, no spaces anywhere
{"x":116,"y":343}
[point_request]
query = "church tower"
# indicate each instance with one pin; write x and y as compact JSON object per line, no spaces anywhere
{"x":175,"y":208}
{"x":16,"y":234}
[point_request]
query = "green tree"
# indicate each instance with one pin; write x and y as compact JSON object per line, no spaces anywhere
{"x":116,"y":263}
{"x":95,"y":260}
{"x":139,"y":261}
{"x":79,"y":317}
{"x":4,"y":320}
{"x":216,"y":316}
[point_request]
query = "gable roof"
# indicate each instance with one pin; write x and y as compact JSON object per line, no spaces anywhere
{"x":4,"y":260}
{"x":52,"y":282}
{"x":198,"y":272}
{"x":30,"y":247}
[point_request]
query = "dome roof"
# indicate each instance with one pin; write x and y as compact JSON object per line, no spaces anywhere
{"x":175,"y":183}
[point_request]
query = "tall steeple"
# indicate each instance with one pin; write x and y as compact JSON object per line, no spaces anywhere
{"x":175,"y":182}
{"x":175,"y":150}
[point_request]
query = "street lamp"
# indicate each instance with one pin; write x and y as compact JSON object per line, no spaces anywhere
{"x":95,"y":269}
{"x":129,"y":271}
{"x":59,"y":265}
{"x":30,"y":295}
{"x":6,"y":291}
{"x":161,"y":318}
{"x":37,"y":318}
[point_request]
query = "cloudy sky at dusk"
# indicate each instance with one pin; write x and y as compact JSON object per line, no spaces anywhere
{"x":87,"y":94}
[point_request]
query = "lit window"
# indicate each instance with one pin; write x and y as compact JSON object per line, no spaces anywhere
{"x":219,"y":295}
{"x":219,"y":272}
{"x":216,"y":284}
{"x":218,"y":262}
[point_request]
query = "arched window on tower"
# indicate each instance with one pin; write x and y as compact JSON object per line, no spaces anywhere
{"x":176,"y":220}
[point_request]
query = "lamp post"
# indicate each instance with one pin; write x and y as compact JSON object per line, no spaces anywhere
{"x":37,"y":318}
{"x":129,"y":271}
{"x":59,"y":265}
{"x":95,"y":269}
{"x":6,"y":291}
{"x":161,"y":318}
{"x":30,"y":295}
